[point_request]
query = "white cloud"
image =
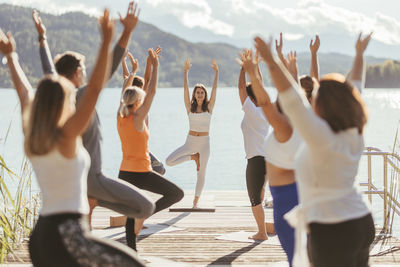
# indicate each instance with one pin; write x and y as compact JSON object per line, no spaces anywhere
{"x":56,"y":7}
{"x":310,"y":17}
{"x":242,"y":19}
{"x":193,"y":13}
{"x":293,"y":36}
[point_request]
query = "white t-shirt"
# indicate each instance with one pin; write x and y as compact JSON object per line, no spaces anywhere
{"x":326,"y":164}
{"x":255,"y":128}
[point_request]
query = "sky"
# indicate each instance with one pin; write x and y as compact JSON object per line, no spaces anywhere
{"x":237,"y":21}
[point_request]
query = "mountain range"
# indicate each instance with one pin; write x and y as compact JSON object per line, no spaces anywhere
{"x":79,"y":32}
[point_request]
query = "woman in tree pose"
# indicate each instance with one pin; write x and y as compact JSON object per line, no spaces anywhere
{"x":131,"y":79}
{"x":197,"y":145}
{"x":136,"y":165}
{"x":341,"y":228}
{"x":52,"y":127}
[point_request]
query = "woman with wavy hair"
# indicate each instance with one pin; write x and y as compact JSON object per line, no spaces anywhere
{"x":197,"y":145}
{"x":338,"y":219}
{"x":52,"y":127}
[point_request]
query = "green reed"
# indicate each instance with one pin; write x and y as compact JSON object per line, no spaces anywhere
{"x":17,"y":206}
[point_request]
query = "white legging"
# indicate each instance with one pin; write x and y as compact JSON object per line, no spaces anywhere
{"x":193,"y":145}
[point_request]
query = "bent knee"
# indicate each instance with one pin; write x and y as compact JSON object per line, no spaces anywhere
{"x":169,"y":161}
{"x":146,"y":209}
{"x":177,"y":194}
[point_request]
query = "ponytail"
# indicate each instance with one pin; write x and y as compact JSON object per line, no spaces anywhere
{"x":130,"y":97}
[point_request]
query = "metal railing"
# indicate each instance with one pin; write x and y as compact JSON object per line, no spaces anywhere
{"x":390,"y":191}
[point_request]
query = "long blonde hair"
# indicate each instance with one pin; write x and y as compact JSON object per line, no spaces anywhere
{"x":43,"y":131}
{"x":130,"y":96}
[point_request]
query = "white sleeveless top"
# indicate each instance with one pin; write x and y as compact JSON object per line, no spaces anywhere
{"x":62,"y":181}
{"x":282,"y":155}
{"x":199,"y":122}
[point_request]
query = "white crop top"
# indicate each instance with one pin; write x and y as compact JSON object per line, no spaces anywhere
{"x":199,"y":122}
{"x":279,"y":154}
{"x":62,"y":181}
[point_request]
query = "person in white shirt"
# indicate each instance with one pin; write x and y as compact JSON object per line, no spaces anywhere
{"x":255,"y":128}
{"x":280,"y":146}
{"x":341,"y":228}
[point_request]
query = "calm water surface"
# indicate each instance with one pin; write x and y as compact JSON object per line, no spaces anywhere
{"x":169,"y":126}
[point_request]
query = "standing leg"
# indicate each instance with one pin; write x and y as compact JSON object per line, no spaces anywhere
{"x":204,"y":154}
{"x":255,"y":180}
{"x":155,"y":183}
{"x":92,"y":204}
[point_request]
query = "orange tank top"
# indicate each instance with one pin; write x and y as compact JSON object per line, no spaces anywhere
{"x":135,"y":150}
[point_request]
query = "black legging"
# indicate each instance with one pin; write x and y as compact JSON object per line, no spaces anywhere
{"x":341,"y":244}
{"x":255,"y":179}
{"x":153,"y":182}
{"x":65,"y":240}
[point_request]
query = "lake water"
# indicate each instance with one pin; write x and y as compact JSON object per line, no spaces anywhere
{"x":169,"y":126}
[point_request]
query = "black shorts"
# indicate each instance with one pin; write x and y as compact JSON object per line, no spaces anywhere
{"x":255,"y":179}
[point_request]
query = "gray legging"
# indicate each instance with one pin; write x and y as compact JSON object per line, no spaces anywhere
{"x":119,"y":196}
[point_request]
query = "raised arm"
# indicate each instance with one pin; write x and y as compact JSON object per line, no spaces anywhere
{"x":278,"y":47}
{"x":314,"y":130}
{"x":358,"y":70}
{"x":186,"y":97}
{"x":44,"y":50}
{"x":21,"y":83}
{"x":131,"y":74}
{"x":78,"y":122}
{"x":314,"y":70}
{"x":125,"y":70}
{"x":129,"y":22}
{"x":278,"y":121}
{"x":143,"y":110}
{"x":242,"y":85}
{"x":147,"y":72}
{"x":258,"y":60}
{"x":213,"y":96}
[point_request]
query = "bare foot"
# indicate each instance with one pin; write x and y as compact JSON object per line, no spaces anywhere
{"x":195,"y":202}
{"x":196,"y":158}
{"x":259,"y":236}
{"x":270,"y":228}
{"x":138,"y":225}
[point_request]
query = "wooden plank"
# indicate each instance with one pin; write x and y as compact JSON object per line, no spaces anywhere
{"x":196,"y":244}
{"x":192,"y":210}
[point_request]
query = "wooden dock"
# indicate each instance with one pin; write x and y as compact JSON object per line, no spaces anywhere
{"x":190,"y":238}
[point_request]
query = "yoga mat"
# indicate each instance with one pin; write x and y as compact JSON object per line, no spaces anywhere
{"x":118,"y":232}
{"x":243,"y":236}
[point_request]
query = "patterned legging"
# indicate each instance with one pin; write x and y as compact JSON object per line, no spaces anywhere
{"x":64,"y":240}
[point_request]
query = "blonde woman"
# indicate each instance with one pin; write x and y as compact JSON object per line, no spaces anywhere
{"x":197,"y":145}
{"x":136,"y":165}
{"x":52,"y":127}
